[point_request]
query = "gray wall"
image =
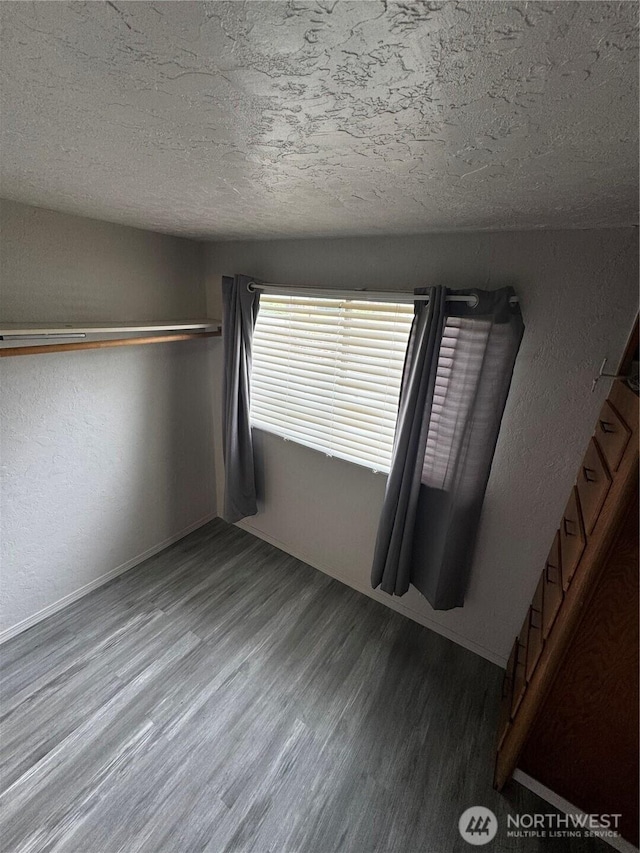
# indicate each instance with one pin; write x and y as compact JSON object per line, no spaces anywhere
{"x":106,"y":454}
{"x":578,"y":293}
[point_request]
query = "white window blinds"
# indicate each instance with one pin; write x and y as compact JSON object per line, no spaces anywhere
{"x":460,"y":361}
{"x":326,"y":373}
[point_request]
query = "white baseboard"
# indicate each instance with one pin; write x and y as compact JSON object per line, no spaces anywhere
{"x":565,"y":806}
{"x":8,"y":633}
{"x":382,"y":598}
{"x":388,"y":601}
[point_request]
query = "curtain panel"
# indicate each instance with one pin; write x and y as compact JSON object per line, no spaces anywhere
{"x":239,"y":313}
{"x":456,"y":378}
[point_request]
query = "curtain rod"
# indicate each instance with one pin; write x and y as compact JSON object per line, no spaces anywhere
{"x":373,"y":295}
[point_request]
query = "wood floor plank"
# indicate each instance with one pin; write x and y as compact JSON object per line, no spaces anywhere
{"x":33,"y":729}
{"x":224,"y":697}
{"x":164,"y":798}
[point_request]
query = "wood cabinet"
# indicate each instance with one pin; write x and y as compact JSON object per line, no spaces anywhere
{"x":584,"y":743}
{"x":570,"y":694}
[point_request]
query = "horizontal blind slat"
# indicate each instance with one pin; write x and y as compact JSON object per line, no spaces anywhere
{"x":327,"y":373}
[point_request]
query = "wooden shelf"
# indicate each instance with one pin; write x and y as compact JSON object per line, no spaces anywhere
{"x":42,"y":338}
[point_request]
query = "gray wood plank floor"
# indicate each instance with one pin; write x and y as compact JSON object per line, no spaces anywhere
{"x":224,"y":696}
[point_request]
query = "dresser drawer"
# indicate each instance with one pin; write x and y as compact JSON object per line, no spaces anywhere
{"x":553,"y":594}
{"x":594,"y":482}
{"x":538,"y":597}
{"x":572,"y":538}
{"x":507,"y":696}
{"x":519,"y":675}
{"x":534,"y":642}
{"x":612,"y":435}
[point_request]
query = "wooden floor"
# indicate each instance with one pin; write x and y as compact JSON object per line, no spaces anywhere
{"x":224,"y":696}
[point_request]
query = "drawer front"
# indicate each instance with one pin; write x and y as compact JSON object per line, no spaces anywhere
{"x":572,"y":538}
{"x":523,"y":635}
{"x":519,"y":676}
{"x":553,"y":594}
{"x":535,"y":641}
{"x":507,"y":696}
{"x":612,"y":435}
{"x":594,"y":482}
{"x":538,"y":597}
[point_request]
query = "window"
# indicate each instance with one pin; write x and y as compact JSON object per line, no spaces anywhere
{"x":326,"y":373}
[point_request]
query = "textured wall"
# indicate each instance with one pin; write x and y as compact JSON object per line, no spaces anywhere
{"x":318,"y":117}
{"x":104,"y":454}
{"x":579,"y":297}
{"x":56,"y":267}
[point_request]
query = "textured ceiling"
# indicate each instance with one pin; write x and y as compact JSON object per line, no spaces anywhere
{"x":264,"y":119}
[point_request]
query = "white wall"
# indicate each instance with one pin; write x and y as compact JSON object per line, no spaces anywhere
{"x":105,"y":455}
{"x":578,"y":294}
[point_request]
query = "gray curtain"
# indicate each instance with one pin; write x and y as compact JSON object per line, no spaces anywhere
{"x":239,"y":312}
{"x":455,"y":383}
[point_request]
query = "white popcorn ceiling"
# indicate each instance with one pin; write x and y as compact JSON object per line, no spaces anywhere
{"x":268,"y":119}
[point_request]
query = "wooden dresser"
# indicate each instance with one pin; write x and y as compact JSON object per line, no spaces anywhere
{"x":570,"y":694}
